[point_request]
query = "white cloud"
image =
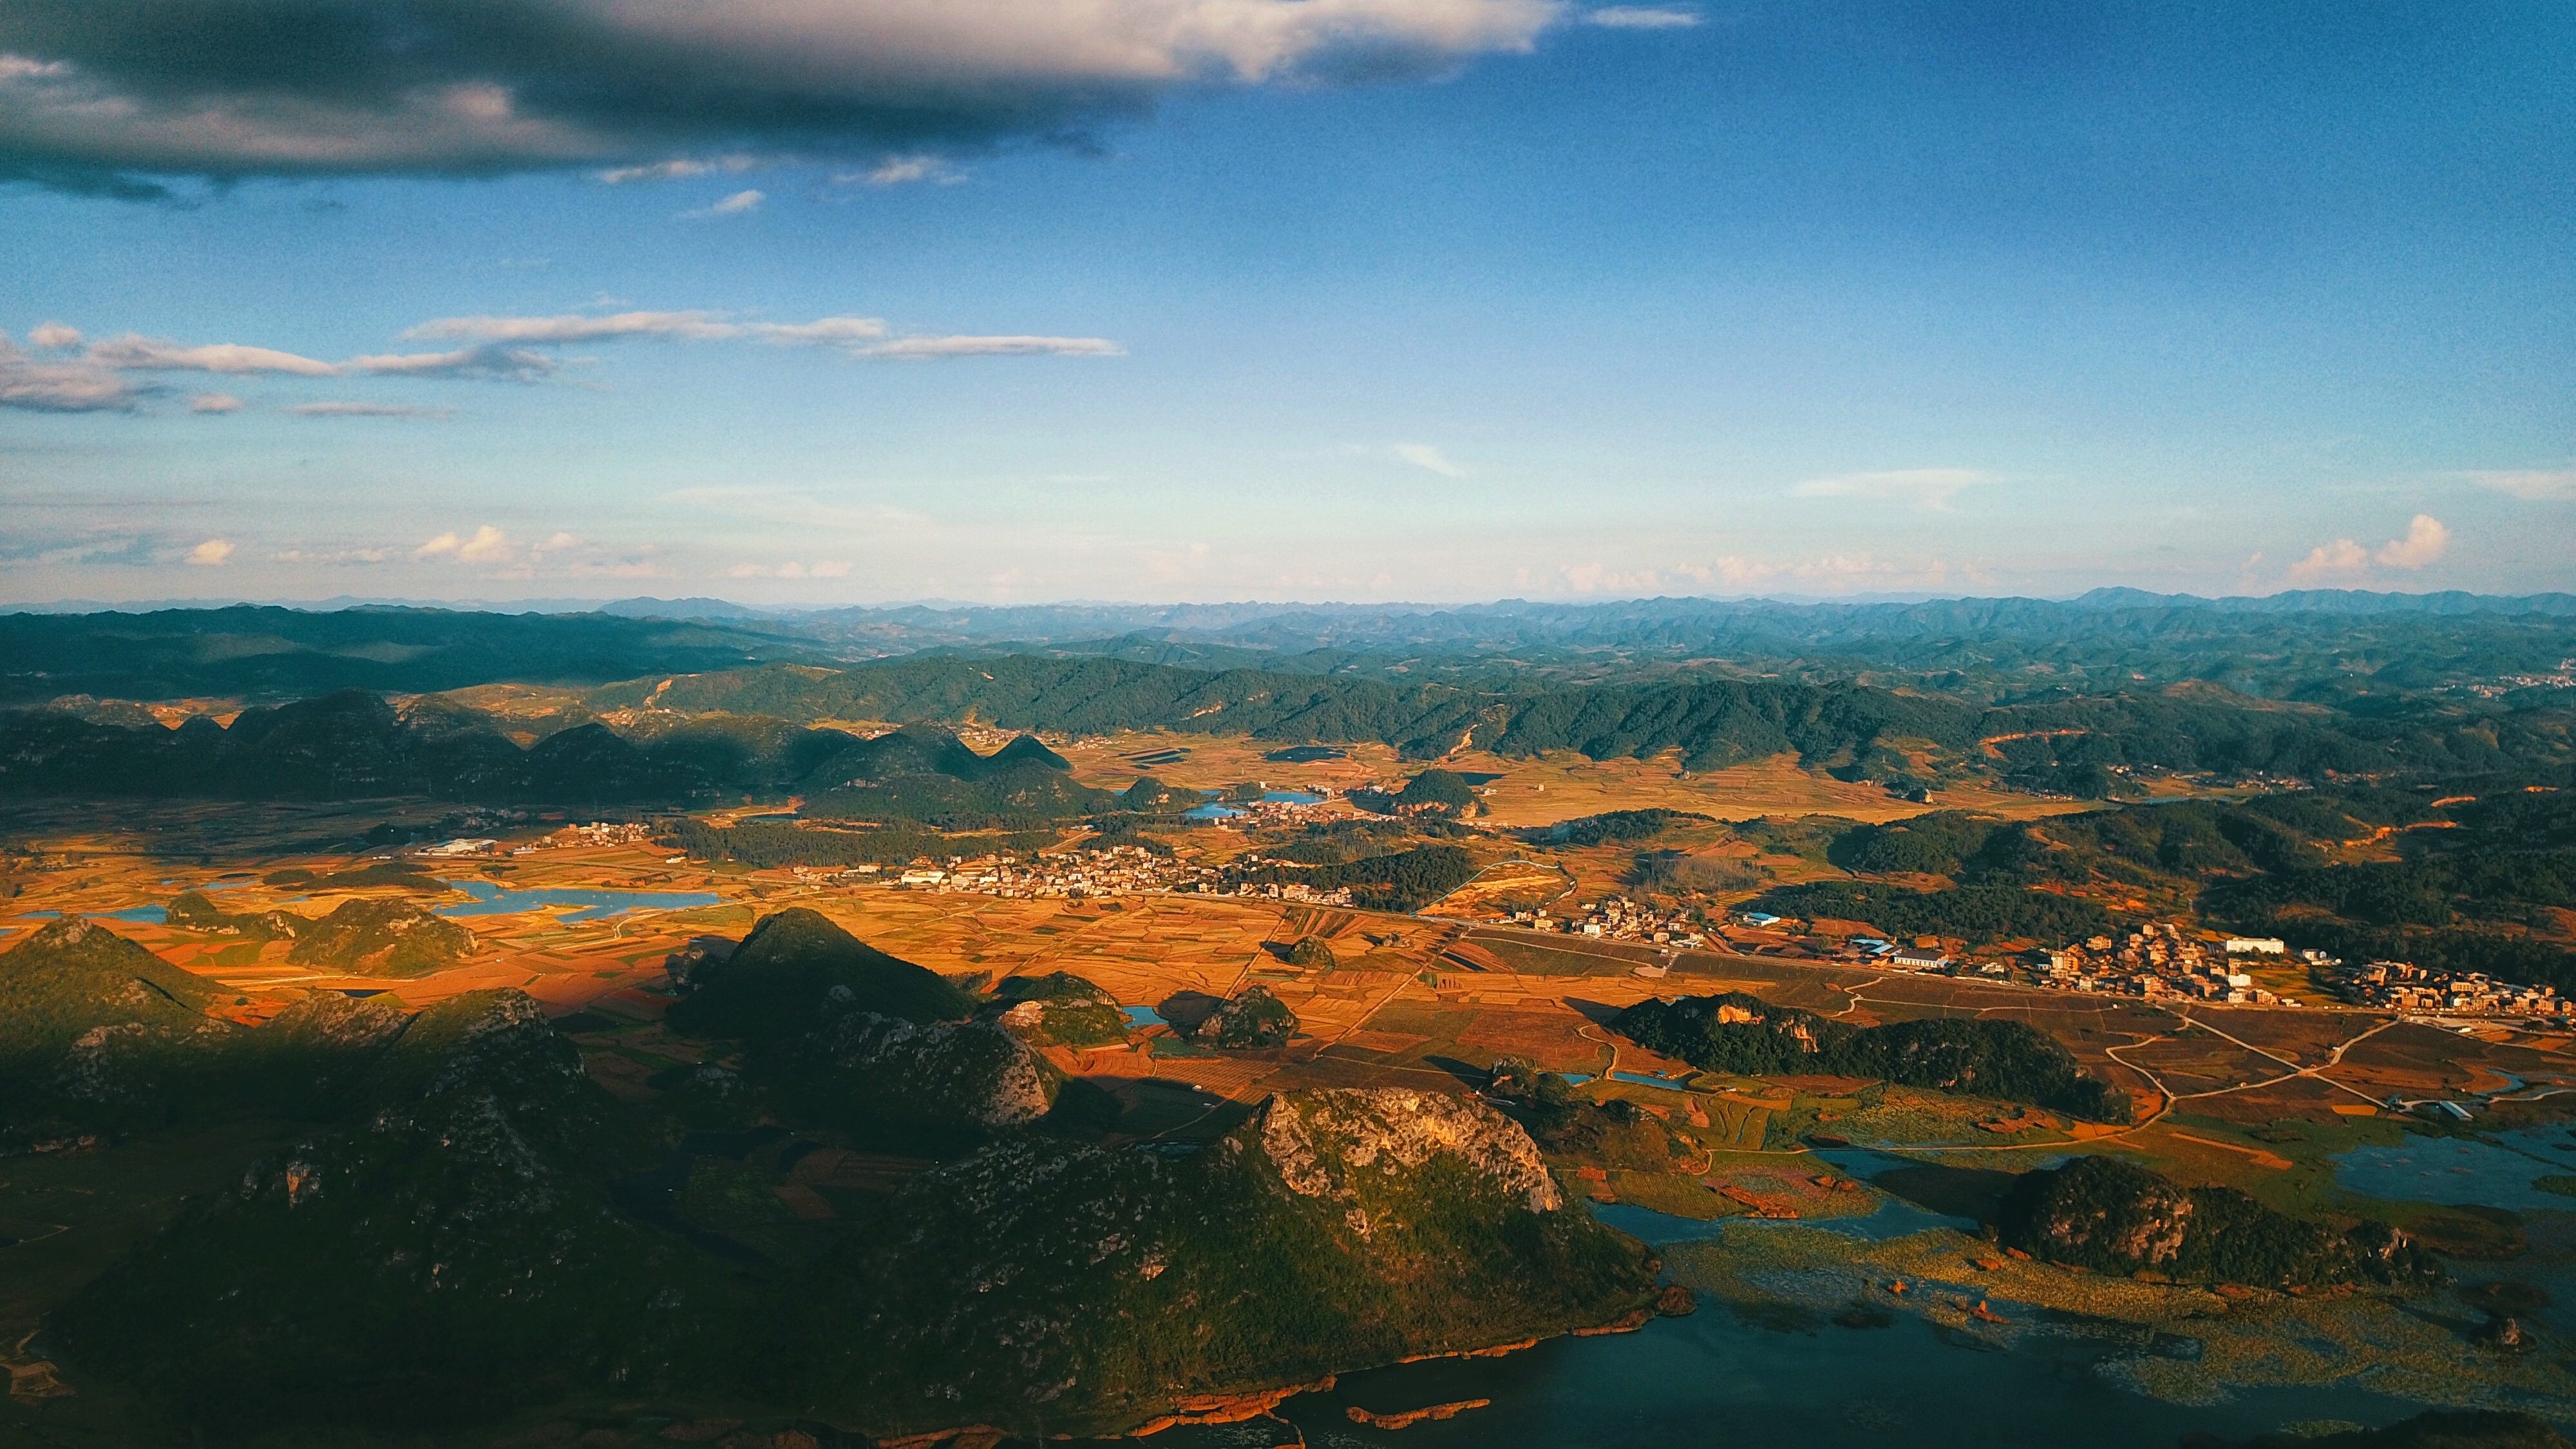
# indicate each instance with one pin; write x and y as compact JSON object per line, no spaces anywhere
{"x":515,"y":364}
{"x":509,"y":84}
{"x":904,"y":348}
{"x":488,"y":545}
{"x":560,"y":541}
{"x":1423,"y":455}
{"x":830,"y":569}
{"x":212,"y":552}
{"x":445,"y":543}
{"x":144,"y":354}
{"x":1926,"y":488}
{"x":366,"y":410}
{"x":2424,"y":542}
{"x":734,"y":205}
{"x":898,"y":170}
{"x":1642,"y":17}
{"x":680,"y":326}
{"x":822,"y":330}
{"x":575,"y":327}
{"x":2540,"y":485}
{"x":214,"y":402}
{"x":77,"y":386}
{"x":54,"y":334}
{"x":676,"y":169}
{"x":2342,"y":558}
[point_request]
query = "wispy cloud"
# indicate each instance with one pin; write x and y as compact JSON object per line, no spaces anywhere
{"x":902,"y":170}
{"x":31,"y":384}
{"x":679,"y":326}
{"x":734,"y":205}
{"x":366,"y":410}
{"x":515,"y":364}
{"x":2540,"y":485}
{"x":676,"y":169}
{"x":792,"y":569}
{"x":1926,"y":488}
{"x":1642,"y":17}
{"x":345,"y":557}
{"x":932,"y":347}
{"x":214,"y":402}
{"x":1424,"y":455}
{"x":132,"y":353}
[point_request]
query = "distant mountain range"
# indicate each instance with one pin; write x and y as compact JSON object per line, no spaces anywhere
{"x":2326,"y":646}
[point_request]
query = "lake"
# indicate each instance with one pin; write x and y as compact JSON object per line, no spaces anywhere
{"x":2494,"y":1171}
{"x":1714,"y":1379}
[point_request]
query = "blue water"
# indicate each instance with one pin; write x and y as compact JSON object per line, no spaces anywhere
{"x":1143,"y":1016}
{"x":1209,"y":812}
{"x":1713,"y":1379}
{"x":492,"y":900}
{"x":1291,"y":797}
{"x":1644,"y":1080}
{"x":2460,"y":1171}
{"x":152,"y":915}
{"x":40,"y":915}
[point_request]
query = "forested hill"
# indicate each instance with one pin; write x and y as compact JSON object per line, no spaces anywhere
{"x":268,"y":654}
{"x":2329,"y":647}
{"x":1712,"y":722}
{"x":2091,"y":747}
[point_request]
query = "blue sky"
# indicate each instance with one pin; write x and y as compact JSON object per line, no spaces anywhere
{"x":1446,"y":300}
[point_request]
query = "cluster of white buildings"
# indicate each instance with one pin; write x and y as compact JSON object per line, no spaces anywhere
{"x":2403,"y":986}
{"x":2165,"y":960}
{"x":1120,"y":870}
{"x":1615,"y":919}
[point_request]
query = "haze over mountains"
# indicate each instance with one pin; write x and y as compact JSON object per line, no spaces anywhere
{"x":2289,"y":645}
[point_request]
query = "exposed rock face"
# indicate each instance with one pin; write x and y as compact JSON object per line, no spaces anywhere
{"x":1321,"y":1142}
{"x":975,"y":1071}
{"x":1059,"y":1009}
{"x":1108,"y":1287}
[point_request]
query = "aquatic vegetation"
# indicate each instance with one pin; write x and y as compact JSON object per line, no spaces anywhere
{"x":2179,"y":1342}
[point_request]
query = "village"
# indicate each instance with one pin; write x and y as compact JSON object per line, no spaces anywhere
{"x":1615,"y":918}
{"x":1118,"y":870}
